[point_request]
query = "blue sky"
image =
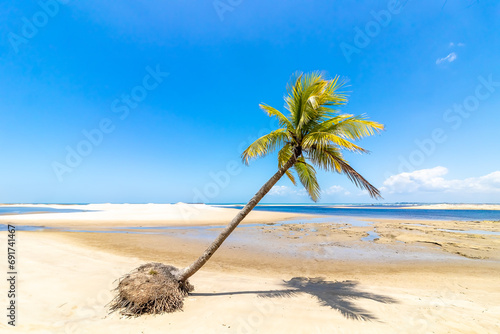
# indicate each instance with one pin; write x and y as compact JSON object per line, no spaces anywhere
{"x":161,"y":97}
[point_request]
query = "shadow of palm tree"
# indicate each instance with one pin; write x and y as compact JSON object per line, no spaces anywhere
{"x":339,"y":296}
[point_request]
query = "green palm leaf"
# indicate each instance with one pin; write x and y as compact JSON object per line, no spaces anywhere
{"x":324,"y":139}
{"x":349,"y":126}
{"x":265,"y":145}
{"x":330,"y":159}
{"x":283,"y":156}
{"x":283,"y":121}
{"x":307,"y":176}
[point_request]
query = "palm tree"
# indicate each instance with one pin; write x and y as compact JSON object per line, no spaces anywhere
{"x":313,"y":133}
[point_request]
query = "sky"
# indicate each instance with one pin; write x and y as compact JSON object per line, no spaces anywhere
{"x":154,"y":102}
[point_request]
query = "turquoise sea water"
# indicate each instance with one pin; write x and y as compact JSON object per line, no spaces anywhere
{"x":382,"y":211}
{"x":15,"y":210}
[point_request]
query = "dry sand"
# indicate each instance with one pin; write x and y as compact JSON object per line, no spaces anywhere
{"x":396,"y":284}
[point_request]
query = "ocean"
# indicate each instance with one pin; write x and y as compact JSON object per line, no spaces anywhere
{"x":381,"y":211}
{"x":16,"y":210}
{"x":378,"y":211}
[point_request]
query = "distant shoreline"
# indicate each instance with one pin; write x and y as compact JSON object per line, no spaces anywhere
{"x":439,"y":206}
{"x":456,"y":207}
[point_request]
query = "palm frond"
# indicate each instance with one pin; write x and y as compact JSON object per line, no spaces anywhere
{"x":283,"y":156}
{"x":332,"y":95}
{"x":293,"y":101}
{"x":322,"y":157}
{"x":331,"y":159}
{"x":265,"y":145}
{"x":358,"y":179}
{"x":283,"y":121}
{"x":311,"y":100}
{"x":307,"y":176}
{"x":324,"y":139}
{"x":313,"y":88}
{"x":350,"y":126}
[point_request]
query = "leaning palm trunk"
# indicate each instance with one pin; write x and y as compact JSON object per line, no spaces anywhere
{"x":187,"y":272}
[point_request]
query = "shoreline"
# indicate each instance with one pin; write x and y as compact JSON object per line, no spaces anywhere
{"x":292,"y":235}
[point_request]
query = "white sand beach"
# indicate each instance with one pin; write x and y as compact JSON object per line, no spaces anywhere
{"x":66,"y":278}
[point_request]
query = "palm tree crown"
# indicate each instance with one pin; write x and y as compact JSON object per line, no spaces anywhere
{"x":315,"y":133}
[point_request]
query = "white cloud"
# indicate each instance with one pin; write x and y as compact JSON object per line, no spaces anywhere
{"x":449,"y":58}
{"x":333,"y":190}
{"x":286,"y":191}
{"x":280,"y":191}
{"x":457,"y":44}
{"x":432,"y":180}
